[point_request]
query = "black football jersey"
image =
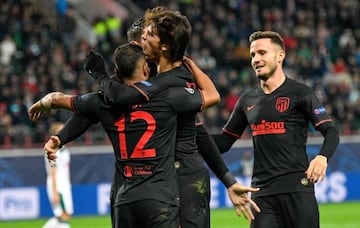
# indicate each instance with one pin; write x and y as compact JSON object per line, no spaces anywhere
{"x":143,"y":139}
{"x":279,"y":124}
{"x":186,"y":148}
{"x":116,"y":93}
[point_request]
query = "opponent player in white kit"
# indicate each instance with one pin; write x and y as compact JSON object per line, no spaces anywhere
{"x":58,"y":186}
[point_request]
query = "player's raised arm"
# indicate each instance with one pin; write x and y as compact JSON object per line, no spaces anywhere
{"x":210,"y":93}
{"x":48,"y":102}
{"x":114,"y":92}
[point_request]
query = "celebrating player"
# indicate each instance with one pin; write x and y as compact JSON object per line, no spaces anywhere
{"x":237,"y":192}
{"x":165,"y":39}
{"x":279,"y":113}
{"x":143,"y":140}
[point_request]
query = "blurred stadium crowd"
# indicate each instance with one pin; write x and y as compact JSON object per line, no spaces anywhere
{"x":39,"y":53}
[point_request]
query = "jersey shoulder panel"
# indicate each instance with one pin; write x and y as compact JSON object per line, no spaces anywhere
{"x":247,"y":97}
{"x":88,"y":104}
{"x":177,"y":77}
{"x":183,"y":99}
{"x":297,"y":87}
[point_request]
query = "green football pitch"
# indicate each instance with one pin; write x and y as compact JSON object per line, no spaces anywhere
{"x":341,"y":215}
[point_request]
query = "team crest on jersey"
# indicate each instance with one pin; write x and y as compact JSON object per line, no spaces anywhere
{"x":282,"y":104}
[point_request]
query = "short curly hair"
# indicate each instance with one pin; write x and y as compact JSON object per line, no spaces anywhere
{"x":173,"y":29}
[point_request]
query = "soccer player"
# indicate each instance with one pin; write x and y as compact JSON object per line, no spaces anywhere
{"x":236,"y":192}
{"x":165,"y":39}
{"x":143,"y":140}
{"x":279,"y":112}
{"x":58,"y":185}
{"x":206,"y":145}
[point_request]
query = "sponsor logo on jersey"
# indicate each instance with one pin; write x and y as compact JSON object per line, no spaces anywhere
{"x":142,"y":170}
{"x":282,"y":104}
{"x":189,"y":90}
{"x":266,"y":128}
{"x":146,"y":83}
{"x":320,"y":110}
{"x":135,"y":106}
{"x":130,"y":171}
{"x":249,"y":107}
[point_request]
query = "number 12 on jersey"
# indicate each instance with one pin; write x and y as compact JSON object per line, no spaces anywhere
{"x":138,"y":151}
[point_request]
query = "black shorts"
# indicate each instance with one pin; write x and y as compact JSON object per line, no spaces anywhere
{"x":295,"y":210}
{"x":194,"y":189}
{"x":146,"y":214}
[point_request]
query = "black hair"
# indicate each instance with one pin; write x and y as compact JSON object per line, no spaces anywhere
{"x":126,"y":58}
{"x":135,"y":30}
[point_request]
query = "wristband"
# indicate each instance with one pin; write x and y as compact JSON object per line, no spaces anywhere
{"x":228,"y":179}
{"x":42,"y":103}
{"x":45,"y":102}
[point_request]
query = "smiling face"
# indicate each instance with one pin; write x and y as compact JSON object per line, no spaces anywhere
{"x":266,"y":57}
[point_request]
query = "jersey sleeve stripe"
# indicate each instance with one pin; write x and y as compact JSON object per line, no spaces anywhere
{"x":73,"y":108}
{"x":323,"y":121}
{"x":231,"y":133}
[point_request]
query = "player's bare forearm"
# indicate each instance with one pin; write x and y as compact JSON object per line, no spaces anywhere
{"x":48,"y":102}
{"x":37,"y":110}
